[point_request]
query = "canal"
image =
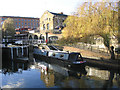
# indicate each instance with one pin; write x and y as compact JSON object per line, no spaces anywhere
{"x":39,"y":74}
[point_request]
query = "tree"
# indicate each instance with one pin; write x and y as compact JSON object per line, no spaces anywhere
{"x":98,"y":18}
{"x":8,"y":28}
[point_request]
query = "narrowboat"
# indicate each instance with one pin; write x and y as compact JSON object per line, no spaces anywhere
{"x":53,"y":55}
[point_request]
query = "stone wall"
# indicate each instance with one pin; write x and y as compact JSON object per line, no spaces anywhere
{"x":49,"y":21}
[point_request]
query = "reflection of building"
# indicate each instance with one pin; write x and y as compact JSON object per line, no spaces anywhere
{"x":53,"y":75}
{"x":52,"y":21}
{"x":22,"y":22}
{"x":103,"y":74}
{"x":13,"y":67}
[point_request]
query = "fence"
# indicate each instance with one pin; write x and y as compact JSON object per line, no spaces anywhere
{"x":92,"y":48}
{"x":27,"y":42}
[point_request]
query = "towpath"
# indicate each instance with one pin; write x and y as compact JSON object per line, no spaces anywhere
{"x":95,"y":59}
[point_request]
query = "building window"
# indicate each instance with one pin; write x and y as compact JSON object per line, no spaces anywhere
{"x":31,"y":20}
{"x":25,"y":23}
{"x":22,"y":19}
{"x":49,"y":19}
{"x":19,"y":19}
{"x":48,"y":26}
{"x":63,"y":20}
{"x":28,"y":23}
{"x":16,"y":19}
{"x":19,"y":23}
{"x":31,"y":23}
{"x":43,"y":26}
{"x":28,"y":20}
{"x":25,"y":20}
{"x":37,"y":24}
{"x":16,"y":23}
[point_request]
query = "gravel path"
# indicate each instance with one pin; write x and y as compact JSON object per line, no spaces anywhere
{"x":86,"y":53}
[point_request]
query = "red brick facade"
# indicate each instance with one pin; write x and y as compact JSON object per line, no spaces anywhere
{"x":22,"y":22}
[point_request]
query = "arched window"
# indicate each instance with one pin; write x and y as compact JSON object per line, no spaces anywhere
{"x":48,"y":26}
{"x":30,"y":37}
{"x":43,"y":26}
{"x":35,"y":37}
{"x":40,"y":36}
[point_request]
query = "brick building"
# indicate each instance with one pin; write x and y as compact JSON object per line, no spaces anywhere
{"x":22,"y":22}
{"x":50,"y":21}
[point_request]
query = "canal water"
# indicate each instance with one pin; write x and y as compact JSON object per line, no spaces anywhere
{"x":44,"y":75}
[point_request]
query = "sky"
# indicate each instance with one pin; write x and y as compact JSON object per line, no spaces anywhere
{"x":35,"y":8}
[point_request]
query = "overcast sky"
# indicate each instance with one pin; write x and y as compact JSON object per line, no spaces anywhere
{"x":35,"y":8}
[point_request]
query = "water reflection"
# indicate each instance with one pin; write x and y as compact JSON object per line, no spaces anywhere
{"x":45,"y":75}
{"x":53,"y":75}
{"x":109,"y":77}
{"x":11,"y":67}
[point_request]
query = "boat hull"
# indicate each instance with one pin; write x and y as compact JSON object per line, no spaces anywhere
{"x":61,"y":62}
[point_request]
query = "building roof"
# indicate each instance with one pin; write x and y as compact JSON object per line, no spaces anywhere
{"x":59,"y":14}
{"x":19,"y":17}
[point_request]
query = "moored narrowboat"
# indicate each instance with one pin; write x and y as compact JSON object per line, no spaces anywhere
{"x":51,"y":54}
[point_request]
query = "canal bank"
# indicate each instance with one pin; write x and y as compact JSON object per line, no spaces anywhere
{"x":96,"y":59}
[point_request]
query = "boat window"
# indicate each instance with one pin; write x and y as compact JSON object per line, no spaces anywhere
{"x":53,"y":54}
{"x":61,"y":55}
{"x":80,"y":57}
{"x":73,"y":57}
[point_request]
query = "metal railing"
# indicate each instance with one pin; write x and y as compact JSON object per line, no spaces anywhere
{"x":30,"y":41}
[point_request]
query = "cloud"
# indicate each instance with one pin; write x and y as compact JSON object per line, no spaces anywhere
{"x":14,"y":85}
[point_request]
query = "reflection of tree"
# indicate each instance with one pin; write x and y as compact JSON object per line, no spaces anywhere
{"x":48,"y":78}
